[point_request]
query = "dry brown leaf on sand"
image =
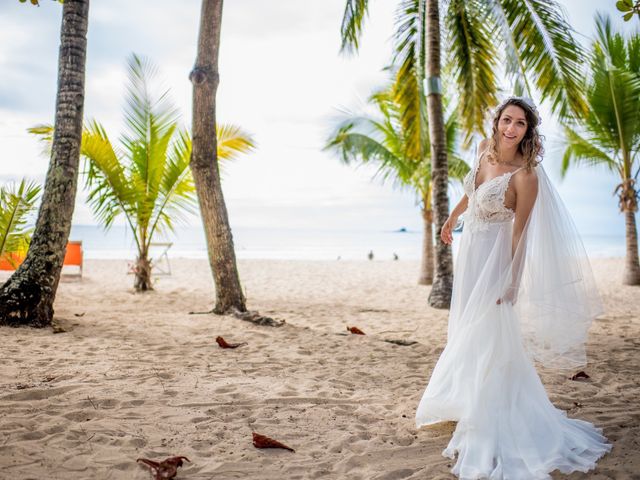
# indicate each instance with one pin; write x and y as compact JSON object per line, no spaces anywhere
{"x":223,"y":343}
{"x":580,"y":375}
{"x":167,"y":468}
{"x":262,"y":441}
{"x":355,"y":330}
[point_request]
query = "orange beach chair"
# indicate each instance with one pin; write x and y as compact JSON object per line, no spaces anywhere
{"x":73,"y":257}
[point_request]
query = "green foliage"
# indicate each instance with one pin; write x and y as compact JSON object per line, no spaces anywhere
{"x":146,"y":177}
{"x":37,"y":3}
{"x":531,"y":38}
{"x":355,"y":12}
{"x":609,"y":133}
{"x":628,"y":8}
{"x":381,"y":140}
{"x":16,"y":202}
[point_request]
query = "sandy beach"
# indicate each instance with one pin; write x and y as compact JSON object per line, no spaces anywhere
{"x":136,"y":375}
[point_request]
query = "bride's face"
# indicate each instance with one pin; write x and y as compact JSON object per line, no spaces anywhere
{"x":512,"y":125}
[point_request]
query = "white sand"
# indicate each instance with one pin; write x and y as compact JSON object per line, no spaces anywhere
{"x":136,"y":376}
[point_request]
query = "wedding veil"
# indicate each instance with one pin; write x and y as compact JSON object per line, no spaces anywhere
{"x":557,"y":298}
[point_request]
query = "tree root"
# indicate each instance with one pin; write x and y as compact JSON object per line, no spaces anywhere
{"x":256,"y":318}
{"x":402,"y":343}
{"x":248,"y":316}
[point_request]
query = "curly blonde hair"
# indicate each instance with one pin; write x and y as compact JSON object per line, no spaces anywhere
{"x":530,"y":146}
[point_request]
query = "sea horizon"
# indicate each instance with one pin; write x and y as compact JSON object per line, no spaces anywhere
{"x":293,"y":243}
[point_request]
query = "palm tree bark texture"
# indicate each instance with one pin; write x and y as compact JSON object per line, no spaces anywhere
{"x":440,"y":296}
{"x":426,"y":268}
{"x":27,"y":297}
{"x":629,"y":205}
{"x":204,"y":163}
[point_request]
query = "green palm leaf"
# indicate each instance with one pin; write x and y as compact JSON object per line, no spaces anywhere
{"x":355,"y":12}
{"x":584,"y":151}
{"x":472,"y":61}
{"x":408,"y":60}
{"x":609,"y":133}
{"x":111,"y":191}
{"x":16,"y":202}
{"x":381,"y":141}
{"x":545,"y":48}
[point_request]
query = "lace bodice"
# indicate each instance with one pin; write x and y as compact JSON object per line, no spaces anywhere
{"x":486,"y":203}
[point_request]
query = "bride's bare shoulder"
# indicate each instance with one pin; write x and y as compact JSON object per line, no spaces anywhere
{"x":526,"y":180}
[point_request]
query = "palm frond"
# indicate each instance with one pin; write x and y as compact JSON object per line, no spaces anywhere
{"x":16,"y":202}
{"x":472,"y":61}
{"x":546,"y":50}
{"x":110,"y":191}
{"x":177,"y":191}
{"x":583,"y":151}
{"x":355,"y":12}
{"x":613,"y":93}
{"x":232,"y":142}
{"x":408,"y":60}
{"x":44,"y":132}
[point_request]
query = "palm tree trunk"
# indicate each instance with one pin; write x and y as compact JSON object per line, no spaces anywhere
{"x":632,"y":265}
{"x":426,"y":269}
{"x":27,"y":297}
{"x":142,"y":281}
{"x":204,"y":162}
{"x":440,"y":296}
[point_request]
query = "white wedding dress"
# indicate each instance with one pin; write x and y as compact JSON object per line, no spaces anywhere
{"x":485,"y":378}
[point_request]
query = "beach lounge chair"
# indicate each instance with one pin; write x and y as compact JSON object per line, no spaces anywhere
{"x":73,"y":258}
{"x":160,"y":261}
{"x":159,"y":257}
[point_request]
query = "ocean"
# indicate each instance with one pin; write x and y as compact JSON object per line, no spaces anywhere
{"x":292,"y":244}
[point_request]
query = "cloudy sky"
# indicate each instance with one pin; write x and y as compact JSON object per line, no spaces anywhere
{"x":282,"y":79}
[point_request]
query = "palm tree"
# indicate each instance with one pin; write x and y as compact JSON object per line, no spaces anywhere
{"x":609,"y":134}
{"x":382,"y":140}
{"x":539,"y":52}
{"x":27,"y":297}
{"x":204,"y":163}
{"x":16,"y":203}
{"x":147,"y":180}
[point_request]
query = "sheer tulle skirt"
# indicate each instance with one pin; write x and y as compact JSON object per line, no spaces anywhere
{"x":507,"y":427}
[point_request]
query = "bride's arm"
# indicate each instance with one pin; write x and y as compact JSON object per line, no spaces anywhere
{"x":446,"y":234}
{"x":526,"y":189}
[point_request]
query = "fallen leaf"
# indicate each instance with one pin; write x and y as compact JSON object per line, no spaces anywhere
{"x":355,"y":330}
{"x":262,"y":441}
{"x":223,"y":343}
{"x":580,"y":375}
{"x":167,"y":468}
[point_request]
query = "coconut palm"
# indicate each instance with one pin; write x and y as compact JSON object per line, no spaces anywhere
{"x":609,"y":134}
{"x":146,"y":179}
{"x":205,"y":78}
{"x":530,"y":37}
{"x":382,"y":141}
{"x":27,"y":297}
{"x":16,"y":203}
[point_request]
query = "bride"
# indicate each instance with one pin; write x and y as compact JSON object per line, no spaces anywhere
{"x":523,"y":290}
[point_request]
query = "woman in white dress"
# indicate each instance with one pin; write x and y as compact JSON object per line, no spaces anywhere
{"x":523,"y":290}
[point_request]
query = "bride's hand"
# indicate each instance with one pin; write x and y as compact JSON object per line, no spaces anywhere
{"x":510,"y":295}
{"x":446,"y":234}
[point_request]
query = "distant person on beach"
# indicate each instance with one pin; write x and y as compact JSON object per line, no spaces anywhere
{"x":395,"y":256}
{"x":370,"y":255}
{"x":523,"y":290}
